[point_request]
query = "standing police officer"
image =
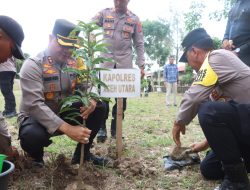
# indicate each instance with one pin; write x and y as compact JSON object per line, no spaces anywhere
{"x":226,"y":124}
{"x":11,"y":38}
{"x":44,"y":84}
{"x":237,"y":34}
{"x":122,"y":30}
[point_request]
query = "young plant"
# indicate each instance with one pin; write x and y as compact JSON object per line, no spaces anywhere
{"x":86,"y":71}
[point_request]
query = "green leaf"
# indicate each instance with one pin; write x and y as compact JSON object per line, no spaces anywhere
{"x":66,"y":109}
{"x":73,"y":119}
{"x":85,"y":101}
{"x":72,"y":70}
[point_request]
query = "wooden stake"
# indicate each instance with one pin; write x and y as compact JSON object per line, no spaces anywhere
{"x":119,"y":127}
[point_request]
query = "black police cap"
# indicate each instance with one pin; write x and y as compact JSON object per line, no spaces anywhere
{"x":193,"y":37}
{"x":15,"y":32}
{"x":62,"y":29}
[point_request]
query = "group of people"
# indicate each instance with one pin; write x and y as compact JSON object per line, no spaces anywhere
{"x":220,"y":94}
{"x":44,"y":84}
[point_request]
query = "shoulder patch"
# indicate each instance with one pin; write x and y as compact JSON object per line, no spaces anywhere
{"x":139,"y":27}
{"x":206,"y":76}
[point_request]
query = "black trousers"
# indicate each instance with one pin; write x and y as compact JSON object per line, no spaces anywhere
{"x":114,"y":113}
{"x":245,"y":58}
{"x":222,"y":126}
{"x":6,"y":85}
{"x":34,"y":137}
{"x":211,"y":166}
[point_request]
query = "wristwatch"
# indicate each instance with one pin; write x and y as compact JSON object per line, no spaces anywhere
{"x":237,"y":50}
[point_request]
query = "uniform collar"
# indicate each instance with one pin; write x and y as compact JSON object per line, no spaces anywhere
{"x":128,"y":13}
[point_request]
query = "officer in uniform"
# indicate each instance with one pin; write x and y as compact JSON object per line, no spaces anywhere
{"x":237,"y":34}
{"x":122,"y":30}
{"x":224,"y":123}
{"x":44,"y":84}
{"x":11,"y":38}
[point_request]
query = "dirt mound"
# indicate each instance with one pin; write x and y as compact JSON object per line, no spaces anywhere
{"x":135,"y":168}
{"x":58,"y":174}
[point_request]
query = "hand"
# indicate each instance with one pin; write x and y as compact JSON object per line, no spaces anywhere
{"x":177,"y":129}
{"x":142,"y":72}
{"x":200,"y":146}
{"x":86,"y":110}
{"x":227,"y":44}
{"x":77,"y":133}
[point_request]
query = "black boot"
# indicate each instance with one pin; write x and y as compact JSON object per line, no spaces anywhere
{"x":96,"y":160}
{"x":235,"y":178}
{"x":102,"y":134}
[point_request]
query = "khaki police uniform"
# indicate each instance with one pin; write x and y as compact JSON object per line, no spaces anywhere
{"x":225,"y":120}
{"x":121,"y":32}
{"x":227,"y":72}
{"x":44,"y":84}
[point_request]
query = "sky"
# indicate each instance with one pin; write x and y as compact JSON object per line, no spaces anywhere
{"x":37,"y":17}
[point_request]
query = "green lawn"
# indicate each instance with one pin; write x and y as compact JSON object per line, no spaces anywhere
{"x":147,"y":130}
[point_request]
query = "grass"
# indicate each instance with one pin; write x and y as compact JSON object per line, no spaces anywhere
{"x":147,"y":130}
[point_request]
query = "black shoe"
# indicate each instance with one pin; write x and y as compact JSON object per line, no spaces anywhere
{"x":102,"y":135}
{"x":235,"y":178}
{"x":228,"y":185}
{"x":37,"y":164}
{"x":97,"y":160}
{"x":9,"y":114}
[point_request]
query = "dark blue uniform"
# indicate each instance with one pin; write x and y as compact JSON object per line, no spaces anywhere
{"x":238,"y":28}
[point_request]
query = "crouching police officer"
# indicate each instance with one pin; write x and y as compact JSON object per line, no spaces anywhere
{"x":44,"y":84}
{"x":226,"y":125}
{"x":11,"y":38}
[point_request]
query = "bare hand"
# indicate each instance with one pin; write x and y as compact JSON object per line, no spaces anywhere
{"x":86,"y":110}
{"x":199,"y":146}
{"x":228,"y":45}
{"x":177,"y":129}
{"x":77,"y":133}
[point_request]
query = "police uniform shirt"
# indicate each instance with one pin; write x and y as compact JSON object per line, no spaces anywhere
{"x":122,"y":32}
{"x":35,"y":87}
{"x":233,"y":78}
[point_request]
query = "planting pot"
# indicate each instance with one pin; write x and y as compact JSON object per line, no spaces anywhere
{"x":7,"y":169}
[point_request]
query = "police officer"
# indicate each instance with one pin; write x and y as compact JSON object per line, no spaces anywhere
{"x":44,"y":84}
{"x":11,"y":38}
{"x":237,"y":33}
{"x":122,"y":30}
{"x":224,"y":123}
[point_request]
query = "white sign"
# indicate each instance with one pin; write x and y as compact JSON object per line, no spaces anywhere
{"x":122,"y":83}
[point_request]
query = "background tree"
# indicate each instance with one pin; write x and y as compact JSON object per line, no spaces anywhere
{"x":217,"y":42}
{"x":177,"y":31}
{"x":192,"y":18}
{"x":157,"y":41}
